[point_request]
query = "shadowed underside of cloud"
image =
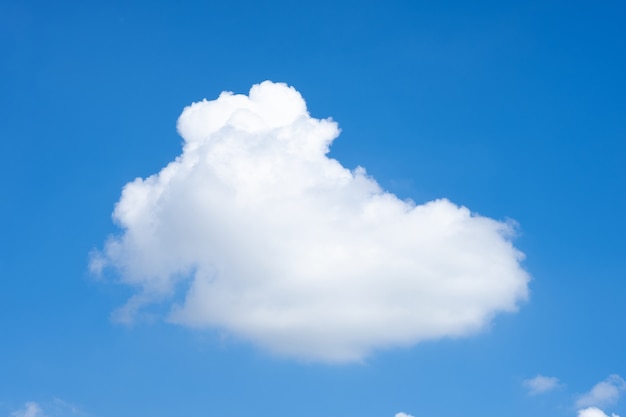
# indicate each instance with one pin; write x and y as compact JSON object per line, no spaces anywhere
{"x":282,"y":246}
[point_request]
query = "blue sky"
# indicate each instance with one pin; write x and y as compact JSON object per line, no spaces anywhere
{"x":515,"y":110}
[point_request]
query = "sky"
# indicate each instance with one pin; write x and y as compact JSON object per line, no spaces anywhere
{"x":336,"y":209}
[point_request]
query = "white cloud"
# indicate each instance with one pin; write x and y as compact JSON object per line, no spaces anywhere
{"x":403,"y":415}
{"x":282,"y":246}
{"x":603,"y":393}
{"x":31,"y":409}
{"x":57,"y":407}
{"x":65,"y":408}
{"x":541,"y":384}
{"x":594,"y":412}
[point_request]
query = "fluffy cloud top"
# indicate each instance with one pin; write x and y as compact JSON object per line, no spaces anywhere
{"x":403,"y":415}
{"x":278,"y":244}
{"x":603,"y":393}
{"x":541,"y":384}
{"x":594,"y":412}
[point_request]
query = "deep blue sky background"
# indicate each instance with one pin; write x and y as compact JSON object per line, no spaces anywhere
{"x":514,"y":109}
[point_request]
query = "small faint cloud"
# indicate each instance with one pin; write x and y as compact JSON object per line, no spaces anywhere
{"x":96,"y":263}
{"x":65,"y":408}
{"x":603,"y":393}
{"x":55,"y":408}
{"x":403,"y":415}
{"x":31,"y":409}
{"x":541,"y":384}
{"x":594,"y":412}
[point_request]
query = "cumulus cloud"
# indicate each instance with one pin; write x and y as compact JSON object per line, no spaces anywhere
{"x":541,"y":384}
{"x":31,"y":409}
{"x":403,"y":415}
{"x":594,"y":412}
{"x":276,"y":243}
{"x":603,"y":393}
